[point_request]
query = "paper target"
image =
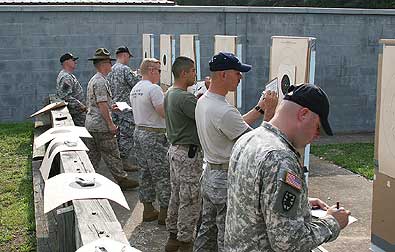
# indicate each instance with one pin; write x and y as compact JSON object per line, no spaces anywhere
{"x":291,"y":51}
{"x":64,"y":187}
{"x":60,"y":143}
{"x":286,"y":77}
{"x":59,"y":131}
{"x":166,"y":47}
{"x":386,"y":150}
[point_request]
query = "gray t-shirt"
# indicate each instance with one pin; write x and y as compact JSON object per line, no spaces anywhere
{"x":144,"y":97}
{"x":98,"y":91}
{"x":219,"y":124}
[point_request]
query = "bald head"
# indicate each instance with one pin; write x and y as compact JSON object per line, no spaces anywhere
{"x":298,"y":123}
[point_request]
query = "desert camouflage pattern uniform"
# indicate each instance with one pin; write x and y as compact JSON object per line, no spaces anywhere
{"x":69,"y":89}
{"x":268,"y":207}
{"x":103,"y":144}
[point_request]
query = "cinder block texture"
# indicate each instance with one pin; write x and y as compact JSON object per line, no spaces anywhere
{"x":33,"y":38}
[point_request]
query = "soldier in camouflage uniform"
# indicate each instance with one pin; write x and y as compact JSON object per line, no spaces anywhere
{"x":185,"y":157}
{"x":69,"y":89}
{"x":219,"y":125}
{"x":268,"y":205}
{"x":151,"y":145}
{"x":122,"y":79}
{"x":99,"y":123}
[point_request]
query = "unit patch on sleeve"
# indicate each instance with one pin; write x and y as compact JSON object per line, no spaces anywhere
{"x":288,"y":201}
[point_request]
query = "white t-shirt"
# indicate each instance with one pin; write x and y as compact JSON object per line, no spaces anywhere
{"x":144,"y":97}
{"x":219,"y":124}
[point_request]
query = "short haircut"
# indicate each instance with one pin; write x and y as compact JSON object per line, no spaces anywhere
{"x":147,"y":63}
{"x":181,"y":64}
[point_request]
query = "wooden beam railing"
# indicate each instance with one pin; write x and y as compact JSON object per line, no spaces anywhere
{"x":77,"y":222}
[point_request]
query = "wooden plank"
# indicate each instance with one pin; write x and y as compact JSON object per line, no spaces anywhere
{"x":45,"y":224}
{"x":42,"y":120}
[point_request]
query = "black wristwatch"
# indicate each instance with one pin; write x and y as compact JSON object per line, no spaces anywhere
{"x":259,"y":109}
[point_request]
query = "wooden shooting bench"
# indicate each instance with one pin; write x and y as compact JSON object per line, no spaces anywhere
{"x":77,"y":222}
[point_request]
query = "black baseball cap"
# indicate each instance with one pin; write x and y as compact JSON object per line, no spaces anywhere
{"x":123,"y":49}
{"x":67,"y":56}
{"x":314,"y":98}
{"x":227,"y":61}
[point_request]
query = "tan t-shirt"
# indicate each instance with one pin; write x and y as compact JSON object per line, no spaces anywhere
{"x":219,"y":124}
{"x":144,"y":97}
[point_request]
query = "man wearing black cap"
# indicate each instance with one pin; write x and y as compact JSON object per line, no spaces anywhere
{"x":219,"y":125}
{"x":122,"y":79}
{"x":69,"y":89}
{"x":99,"y":122}
{"x":268,"y":204}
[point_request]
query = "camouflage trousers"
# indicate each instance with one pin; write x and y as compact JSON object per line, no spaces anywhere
{"x":78,"y":118}
{"x":184,"y":206}
{"x":104,"y":145}
{"x":154,"y":176}
{"x":214,"y":194}
{"x":125,"y":138}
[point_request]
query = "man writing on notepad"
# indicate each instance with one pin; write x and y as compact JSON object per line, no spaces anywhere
{"x":268,"y":205}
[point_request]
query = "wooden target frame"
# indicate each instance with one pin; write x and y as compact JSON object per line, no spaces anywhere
{"x":383,"y":219}
{"x":148,"y":46}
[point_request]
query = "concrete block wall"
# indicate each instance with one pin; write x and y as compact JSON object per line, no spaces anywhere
{"x":33,"y":37}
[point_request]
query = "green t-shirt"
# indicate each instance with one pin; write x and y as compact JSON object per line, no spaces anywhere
{"x":180,"y":117}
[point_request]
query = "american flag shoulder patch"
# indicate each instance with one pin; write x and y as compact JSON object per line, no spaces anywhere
{"x":293,"y":180}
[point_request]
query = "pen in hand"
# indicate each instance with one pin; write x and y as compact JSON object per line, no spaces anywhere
{"x":337,"y":205}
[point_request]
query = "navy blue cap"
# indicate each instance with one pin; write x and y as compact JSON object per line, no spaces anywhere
{"x":227,"y":61}
{"x":314,"y":98}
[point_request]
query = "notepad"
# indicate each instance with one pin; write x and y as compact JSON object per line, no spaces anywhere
{"x":123,"y":106}
{"x":319,"y":213}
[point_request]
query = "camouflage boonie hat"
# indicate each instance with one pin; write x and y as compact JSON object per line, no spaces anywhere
{"x":101,"y":54}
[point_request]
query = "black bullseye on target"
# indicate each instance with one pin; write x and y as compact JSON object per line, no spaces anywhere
{"x":285,"y":83}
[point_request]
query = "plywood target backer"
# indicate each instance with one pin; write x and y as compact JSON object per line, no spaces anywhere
{"x":386,"y":141}
{"x":166,"y":59}
{"x":224,"y":43}
{"x":148,"y":46}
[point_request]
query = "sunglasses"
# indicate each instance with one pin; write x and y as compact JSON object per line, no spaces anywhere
{"x":159,"y":70}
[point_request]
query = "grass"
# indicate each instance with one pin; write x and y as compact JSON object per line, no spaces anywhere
{"x":17,"y":225}
{"x":356,"y":157}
